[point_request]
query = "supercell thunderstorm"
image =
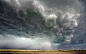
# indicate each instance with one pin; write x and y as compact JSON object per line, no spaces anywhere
{"x":39,"y":24}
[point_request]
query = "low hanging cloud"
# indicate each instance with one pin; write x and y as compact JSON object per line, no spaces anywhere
{"x":13,"y":42}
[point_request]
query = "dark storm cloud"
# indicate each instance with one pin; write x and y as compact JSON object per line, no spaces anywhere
{"x":52,"y":27}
